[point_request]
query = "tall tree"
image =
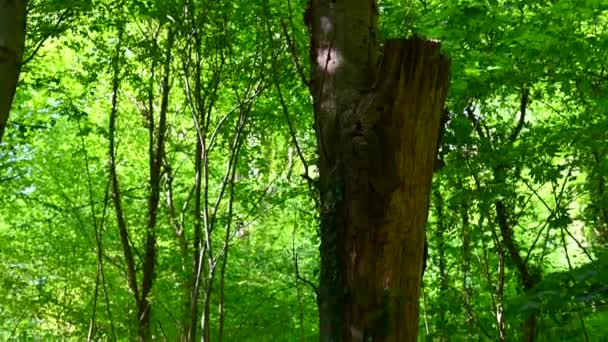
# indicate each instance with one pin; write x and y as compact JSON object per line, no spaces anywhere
{"x":157,"y":128}
{"x":377,"y":121}
{"x":12,"y":40}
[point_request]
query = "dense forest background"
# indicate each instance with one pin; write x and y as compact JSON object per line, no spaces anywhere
{"x":160,"y":160}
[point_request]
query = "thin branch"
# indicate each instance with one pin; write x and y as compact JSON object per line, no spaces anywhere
{"x":45,"y":38}
{"x":178,"y":224}
{"x":296,"y":267}
{"x":202,"y":187}
{"x":294,"y":56}
{"x":579,"y":245}
{"x":476,"y":123}
{"x":98,"y":227}
{"x":525,"y":94}
{"x":546,"y":222}
{"x":292,"y":132}
{"x":231,"y":162}
{"x":162,"y":330}
{"x":94,"y":313}
{"x":302,"y":279}
{"x":222,"y":121}
{"x":224,"y":254}
{"x":426,"y":320}
{"x":470,"y":312}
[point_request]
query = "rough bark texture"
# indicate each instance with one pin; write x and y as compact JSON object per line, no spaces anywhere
{"x":377,"y":127}
{"x":12,"y":38}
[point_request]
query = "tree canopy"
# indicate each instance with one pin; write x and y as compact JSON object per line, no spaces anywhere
{"x":159,"y":172}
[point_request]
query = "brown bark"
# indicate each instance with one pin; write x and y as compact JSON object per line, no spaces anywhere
{"x":12,"y":40}
{"x":200,"y":181}
{"x":528,"y":280}
{"x":155,"y":154}
{"x":178,"y":224}
{"x":156,"y":151}
{"x":115,"y":186}
{"x":377,"y":126}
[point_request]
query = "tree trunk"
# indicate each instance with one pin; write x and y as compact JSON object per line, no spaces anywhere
{"x":597,"y":186}
{"x":12,"y":40}
{"x":377,"y":127}
{"x":466,"y":264}
{"x":528,"y":280}
{"x":440,"y":232}
{"x":500,"y":173}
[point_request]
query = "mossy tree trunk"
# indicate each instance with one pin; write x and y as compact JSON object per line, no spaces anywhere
{"x":377,"y":121}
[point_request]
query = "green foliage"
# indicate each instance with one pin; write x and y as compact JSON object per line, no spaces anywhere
{"x":232,"y":58}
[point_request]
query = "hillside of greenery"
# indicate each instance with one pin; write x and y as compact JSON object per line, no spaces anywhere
{"x":160,"y":160}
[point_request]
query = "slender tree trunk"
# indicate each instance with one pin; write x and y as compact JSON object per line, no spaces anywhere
{"x":155,"y":153}
{"x":121,"y":221}
{"x":197,"y":242}
{"x":12,"y":40}
{"x":466,"y":264}
{"x":527,"y":279}
{"x":179,"y":225}
{"x":597,"y":186}
{"x":377,"y":126}
{"x":200,"y":180}
{"x":440,"y":230}
{"x":503,"y":217}
{"x":224,"y":257}
{"x":500,"y":290}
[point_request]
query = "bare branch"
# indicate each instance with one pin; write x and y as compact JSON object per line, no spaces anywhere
{"x":294,"y":56}
{"x":292,"y":131}
{"x":525,"y":93}
{"x":55,"y":29}
{"x":470,"y":110}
